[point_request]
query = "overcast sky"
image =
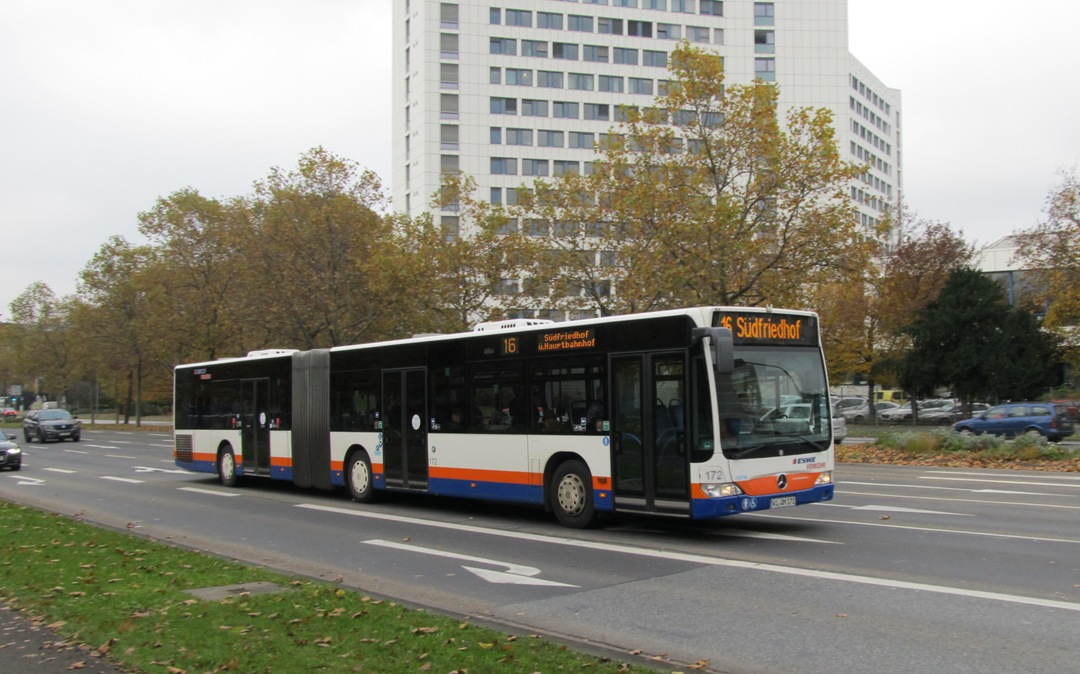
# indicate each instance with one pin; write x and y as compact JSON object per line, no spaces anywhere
{"x":107,"y":105}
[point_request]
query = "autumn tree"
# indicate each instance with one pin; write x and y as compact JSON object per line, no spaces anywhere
{"x":42,"y":346}
{"x":311,"y":252}
{"x":708,"y":198}
{"x":1051,"y":253}
{"x":972,"y":341}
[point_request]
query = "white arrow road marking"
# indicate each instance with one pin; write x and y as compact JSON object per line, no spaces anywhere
{"x":515,"y":573}
{"x":32,"y":481}
{"x":212,"y":492}
{"x":60,"y":470}
{"x":909,"y":510}
{"x":121,"y":479}
{"x":149,"y":469}
{"x":501,"y":578}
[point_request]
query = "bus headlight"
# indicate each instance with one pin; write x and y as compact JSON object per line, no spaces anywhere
{"x":824,"y":478}
{"x":721,"y":489}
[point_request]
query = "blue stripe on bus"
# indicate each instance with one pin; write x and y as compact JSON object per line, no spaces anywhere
{"x":706,"y":508}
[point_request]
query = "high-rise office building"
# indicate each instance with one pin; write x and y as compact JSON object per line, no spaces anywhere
{"x":509,"y":90}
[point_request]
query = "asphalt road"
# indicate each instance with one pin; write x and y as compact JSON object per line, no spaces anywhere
{"x":908,"y":570}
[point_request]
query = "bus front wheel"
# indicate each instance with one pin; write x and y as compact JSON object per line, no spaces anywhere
{"x":227,"y":468}
{"x":361,"y":482}
{"x":572,"y":495}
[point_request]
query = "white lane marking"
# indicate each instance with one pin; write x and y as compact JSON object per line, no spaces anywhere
{"x":120,"y":456}
{"x":516,"y":574}
{"x":124,"y":442}
{"x":895,"y":509}
{"x":710,"y":561}
{"x":955,"y":500}
{"x":150,"y":469}
{"x":924,"y":486}
{"x":988,"y":534}
{"x":970,"y":479}
{"x":212,"y":492}
{"x":87,"y":444}
{"x":122,"y":479}
{"x":776,"y":537}
{"x":1028,"y":476}
{"x":60,"y":470}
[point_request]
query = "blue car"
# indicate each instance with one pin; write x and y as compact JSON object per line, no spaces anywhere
{"x":1011,"y":419}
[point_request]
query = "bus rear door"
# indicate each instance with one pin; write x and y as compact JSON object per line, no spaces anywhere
{"x":649,"y":441}
{"x":255,"y":434}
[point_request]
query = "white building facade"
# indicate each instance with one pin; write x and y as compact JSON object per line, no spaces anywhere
{"x":510,"y":90}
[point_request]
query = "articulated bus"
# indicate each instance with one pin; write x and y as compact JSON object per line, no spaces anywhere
{"x":693,"y":413}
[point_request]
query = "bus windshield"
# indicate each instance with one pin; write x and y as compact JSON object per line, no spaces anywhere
{"x":774,"y":403}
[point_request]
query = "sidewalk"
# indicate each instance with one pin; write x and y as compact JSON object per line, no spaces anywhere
{"x":30,"y":646}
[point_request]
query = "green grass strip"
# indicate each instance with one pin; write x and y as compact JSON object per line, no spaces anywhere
{"x":127,"y":597}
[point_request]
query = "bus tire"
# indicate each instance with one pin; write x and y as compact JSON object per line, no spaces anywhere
{"x":361,"y":481}
{"x":572,"y":495}
{"x":226,"y":467}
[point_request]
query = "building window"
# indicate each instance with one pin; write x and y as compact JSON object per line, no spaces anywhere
{"x":535,"y":167}
{"x":596,"y":53}
{"x":448,"y":137}
{"x":764,"y":14}
{"x":710,"y":7}
{"x":494,"y":75}
{"x":656,"y":59}
{"x":448,"y":45}
{"x":549,"y":79}
{"x":581,"y":81}
{"x":519,"y":137}
{"x":565,"y":51}
{"x":697,"y":34}
{"x":765,"y":69}
{"x":765,"y":41}
{"x":639,"y":28}
{"x":502,"y":45}
{"x":683,"y":6}
{"x":654,"y":4}
{"x":448,"y":163}
{"x":503,"y":166}
{"x":448,"y":75}
{"x":448,"y":16}
{"x":503,"y":106}
{"x":451,"y":226}
{"x":609,"y":26}
{"x":535,"y":48}
{"x":625,"y":56}
{"x":564,"y":167}
{"x":598,"y":111}
{"x":668,"y":31}
{"x":639,"y":85}
{"x":612,"y":84}
{"x":448,"y":106}
{"x":495,"y":15}
{"x":531,"y":108}
{"x":549,"y":138}
{"x":519,"y":77}
{"x":549,"y":20}
{"x":581,"y":24}
{"x":496,"y":195}
{"x":582,"y":140}
{"x":519,"y":17}
{"x":496,"y":135}
{"x":625,"y":3}
{"x":566,"y":110}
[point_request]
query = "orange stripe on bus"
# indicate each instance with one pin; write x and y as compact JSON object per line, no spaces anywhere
{"x":477,"y":475}
{"x":767,"y":485}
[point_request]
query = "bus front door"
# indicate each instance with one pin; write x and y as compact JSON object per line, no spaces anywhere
{"x":255,"y":433}
{"x":649,"y":441}
{"x":405,"y":462}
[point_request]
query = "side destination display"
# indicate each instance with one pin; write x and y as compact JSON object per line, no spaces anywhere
{"x":771,"y":328}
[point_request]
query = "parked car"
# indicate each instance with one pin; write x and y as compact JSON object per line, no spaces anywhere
{"x":949,"y":414}
{"x":860,"y":415}
{"x":839,"y":427}
{"x":10,"y":453}
{"x":1047,"y":419}
{"x":846,"y":402}
{"x":53,"y":424}
{"x":10,"y":414}
{"x":1073,"y":406}
{"x":903,"y":413}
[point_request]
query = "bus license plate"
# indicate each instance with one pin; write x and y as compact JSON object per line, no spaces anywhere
{"x":782,"y":502}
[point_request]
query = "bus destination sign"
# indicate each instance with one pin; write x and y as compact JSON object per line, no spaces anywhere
{"x":754,"y":328}
{"x":566,"y":340}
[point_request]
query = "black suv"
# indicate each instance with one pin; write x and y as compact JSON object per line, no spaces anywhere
{"x":45,"y":425}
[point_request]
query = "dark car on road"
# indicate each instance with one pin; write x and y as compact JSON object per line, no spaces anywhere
{"x":10,"y":453}
{"x":45,"y":425}
{"x":1047,"y":419}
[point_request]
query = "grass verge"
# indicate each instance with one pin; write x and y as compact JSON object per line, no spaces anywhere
{"x":127,"y":598}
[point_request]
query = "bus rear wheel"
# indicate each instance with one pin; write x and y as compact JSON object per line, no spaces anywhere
{"x":361,"y":481}
{"x":227,"y":468}
{"x":572,"y":495}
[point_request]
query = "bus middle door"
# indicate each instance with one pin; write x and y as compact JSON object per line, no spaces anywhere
{"x":405,"y":461}
{"x":255,"y":434}
{"x":650,"y":460}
